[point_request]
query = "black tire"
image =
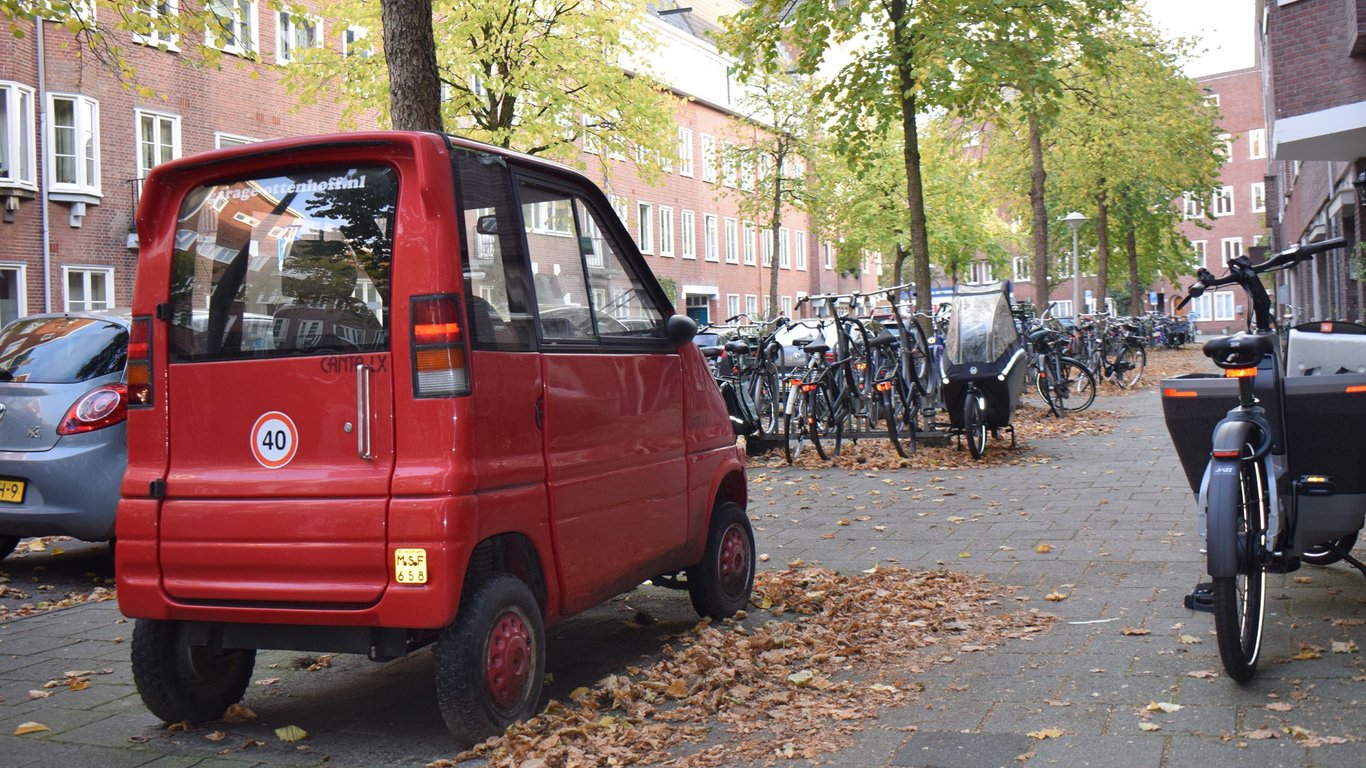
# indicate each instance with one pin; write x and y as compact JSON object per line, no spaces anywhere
{"x":818,"y":424}
{"x":1052,"y":396}
{"x":974,"y":425}
{"x":490,"y":662}
{"x":1080,"y":385}
{"x":182,"y":682}
{"x":903,"y":414}
{"x":1325,"y":556}
{"x":1240,"y":601}
{"x":721,"y":583}
{"x":1129,"y":365}
{"x":794,"y":439}
{"x":766,"y":406}
{"x":7,"y":545}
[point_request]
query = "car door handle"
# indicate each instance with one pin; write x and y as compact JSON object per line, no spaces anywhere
{"x":540,"y":413}
{"x":363,"y":412}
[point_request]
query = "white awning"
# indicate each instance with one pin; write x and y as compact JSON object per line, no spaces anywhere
{"x":701,"y":290}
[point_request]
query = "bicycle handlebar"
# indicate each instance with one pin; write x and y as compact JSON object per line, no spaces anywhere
{"x":1243,"y":272}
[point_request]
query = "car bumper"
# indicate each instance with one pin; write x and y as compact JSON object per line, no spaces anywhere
{"x":71,"y":489}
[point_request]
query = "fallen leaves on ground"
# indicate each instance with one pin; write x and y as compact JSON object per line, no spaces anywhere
{"x":1046,"y":733}
{"x":1137,"y":631}
{"x":835,"y":651}
{"x":25,"y":729}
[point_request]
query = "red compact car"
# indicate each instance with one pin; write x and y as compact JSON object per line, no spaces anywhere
{"x":394,"y":389}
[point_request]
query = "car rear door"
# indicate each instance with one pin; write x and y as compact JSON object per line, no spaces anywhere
{"x":280,"y":388}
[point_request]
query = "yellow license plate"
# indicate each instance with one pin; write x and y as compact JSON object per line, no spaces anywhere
{"x":12,"y":491}
{"x":410,"y":566}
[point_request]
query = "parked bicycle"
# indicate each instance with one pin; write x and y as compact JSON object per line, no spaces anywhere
{"x":1271,"y":481}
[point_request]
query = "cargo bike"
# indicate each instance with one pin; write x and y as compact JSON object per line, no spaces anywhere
{"x":1273,"y":451}
{"x":982,"y":371}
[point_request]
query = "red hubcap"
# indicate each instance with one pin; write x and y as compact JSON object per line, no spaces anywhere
{"x":734,"y":560}
{"x":508,"y":664}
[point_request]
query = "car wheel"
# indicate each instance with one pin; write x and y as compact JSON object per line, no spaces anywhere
{"x":183,"y":682}
{"x":720,"y":584}
{"x":491,"y":660}
{"x":7,"y":545}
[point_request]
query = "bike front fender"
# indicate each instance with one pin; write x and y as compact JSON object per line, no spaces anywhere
{"x":1222,"y":496}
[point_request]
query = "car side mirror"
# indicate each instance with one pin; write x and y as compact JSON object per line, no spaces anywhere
{"x":486,"y":225}
{"x":680,"y":329}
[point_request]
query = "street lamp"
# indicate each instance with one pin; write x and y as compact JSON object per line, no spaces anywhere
{"x":1075,"y":220}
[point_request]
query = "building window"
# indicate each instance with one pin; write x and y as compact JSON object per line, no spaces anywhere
{"x":733,"y":305}
{"x":88,"y":288}
{"x":786,"y":304}
{"x":221,"y":140}
{"x":1212,"y":100}
{"x":1223,"y":305}
{"x":590,"y":139}
{"x":1191,"y":208}
{"x":1259,"y":197}
{"x":1223,"y":202}
{"x":766,"y":246}
{"x":233,"y":29}
{"x":1200,"y":308}
{"x":13,"y":292}
{"x":685,"y":151}
{"x":666,"y":231}
{"x":747,"y":242}
{"x":1062,"y":308}
{"x":732,"y":237}
{"x":17,"y":156}
{"x":784,"y":252}
{"x":1231,"y":248}
{"x":829,"y":255}
{"x":1020,"y":267}
{"x":799,"y":250}
{"x":295,"y":33}
{"x":1226,"y":147}
{"x":747,"y":169}
{"x":73,"y":152}
{"x":1256,"y":143}
{"x":709,"y":243}
{"x":158,"y":140}
{"x":708,"y":159}
{"x":730,"y":165}
{"x":687,"y":229}
{"x":980,"y":272}
{"x":1199,"y":247}
{"x":751,"y":305}
{"x":354,"y":42}
{"x":157,"y":31}
{"x":646,"y":227}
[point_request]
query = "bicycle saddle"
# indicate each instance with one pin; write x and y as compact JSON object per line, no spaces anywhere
{"x":1241,"y":350}
{"x":883,"y":339}
{"x":711,"y":353}
{"x":816,"y":348}
{"x":737,"y":347}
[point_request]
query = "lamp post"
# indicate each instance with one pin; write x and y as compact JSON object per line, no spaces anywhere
{"x":1075,"y":220}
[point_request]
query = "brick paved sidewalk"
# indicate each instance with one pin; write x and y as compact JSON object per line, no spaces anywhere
{"x":1121,"y":527}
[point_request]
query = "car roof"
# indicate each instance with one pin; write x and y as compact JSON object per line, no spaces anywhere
{"x":122,"y":316}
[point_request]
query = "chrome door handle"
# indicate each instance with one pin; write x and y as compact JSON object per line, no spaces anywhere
{"x":363,"y":412}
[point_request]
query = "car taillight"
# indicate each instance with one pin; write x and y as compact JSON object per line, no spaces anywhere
{"x":440,"y":367}
{"x":99,"y":408}
{"x":139,"y":374}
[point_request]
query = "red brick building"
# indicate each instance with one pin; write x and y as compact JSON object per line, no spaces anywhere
{"x":1315,"y":60}
{"x":74,"y":144}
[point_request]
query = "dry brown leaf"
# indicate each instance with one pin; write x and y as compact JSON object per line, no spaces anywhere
{"x":30,"y":727}
{"x":1203,"y":674}
{"x":1280,"y":706}
{"x":1349,"y":646}
{"x":1147,"y":726}
{"x":1055,"y":596}
{"x":1261,"y":734}
{"x":1307,"y":654}
{"x":1188,"y":640}
{"x":290,"y":734}
{"x":1134,"y":631}
{"x":677,"y":689}
{"x":1163,"y":706}
{"x":1046,"y":733}
{"x":215,"y":736}
{"x":238,"y":714}
{"x":1043,"y":547}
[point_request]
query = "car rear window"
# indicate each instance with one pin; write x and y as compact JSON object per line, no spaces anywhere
{"x":62,"y":350}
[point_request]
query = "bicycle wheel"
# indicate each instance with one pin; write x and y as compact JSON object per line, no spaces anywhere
{"x":817,"y":426}
{"x":974,"y":425}
{"x":903,"y":414}
{"x":1080,"y":385}
{"x":1240,"y":601}
{"x":1048,"y":390}
{"x":767,"y":404}
{"x":1129,"y":364}
{"x":1324,"y":556}
{"x":795,"y":435}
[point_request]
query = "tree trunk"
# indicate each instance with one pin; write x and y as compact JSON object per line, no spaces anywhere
{"x":777,"y":229}
{"x":903,"y":41}
{"x":410,"y":50}
{"x":1102,"y":247}
{"x":1131,"y":245}
{"x":1037,"y":177}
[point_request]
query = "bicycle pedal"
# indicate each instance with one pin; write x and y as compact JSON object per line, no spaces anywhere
{"x":1201,"y":598}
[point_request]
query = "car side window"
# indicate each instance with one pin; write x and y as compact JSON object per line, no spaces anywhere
{"x":585,"y":290}
{"x":496,"y":297}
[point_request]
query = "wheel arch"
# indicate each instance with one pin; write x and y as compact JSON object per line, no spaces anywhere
{"x":511,"y":553}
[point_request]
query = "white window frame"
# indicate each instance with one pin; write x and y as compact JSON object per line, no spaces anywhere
{"x":666,"y":231}
{"x":766,"y":247}
{"x":1021,"y":267}
{"x":1202,"y":307}
{"x":1256,"y":144}
{"x":730,"y":229}
{"x":784,"y":249}
{"x":351,"y":38}
{"x":590,"y":141}
{"x":685,"y":152}
{"x":730,"y":166}
{"x":828,"y":257}
{"x":1191,"y":206}
{"x":20,"y":287}
{"x":1224,"y":306}
{"x":710,"y":243}
{"x":747,"y":243}
{"x":1230,"y":248}
{"x":86,"y":112}
{"x":1221,"y":204}
{"x":687,"y":230}
{"x":1227,"y":141}
{"x":1201,"y":249}
{"x":88,"y":272}
{"x":1258,"y":194}
{"x":155,"y":37}
{"x":733,"y":305}
{"x":221,"y":140}
{"x":1063,"y":308}
{"x":19,"y":143}
{"x":287,"y":27}
{"x":708,"y":159}
{"x":751,"y":305}
{"x":245,"y":24}
{"x":799,"y":250}
{"x":786,"y":303}
{"x":645,"y":226}
{"x":146,"y":163}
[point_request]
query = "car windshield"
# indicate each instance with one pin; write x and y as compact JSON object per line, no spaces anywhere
{"x":62,"y":350}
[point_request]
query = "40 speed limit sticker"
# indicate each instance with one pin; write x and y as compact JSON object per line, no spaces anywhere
{"x":274,"y":440}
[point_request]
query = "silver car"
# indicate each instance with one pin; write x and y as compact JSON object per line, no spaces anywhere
{"x":63,"y":411}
